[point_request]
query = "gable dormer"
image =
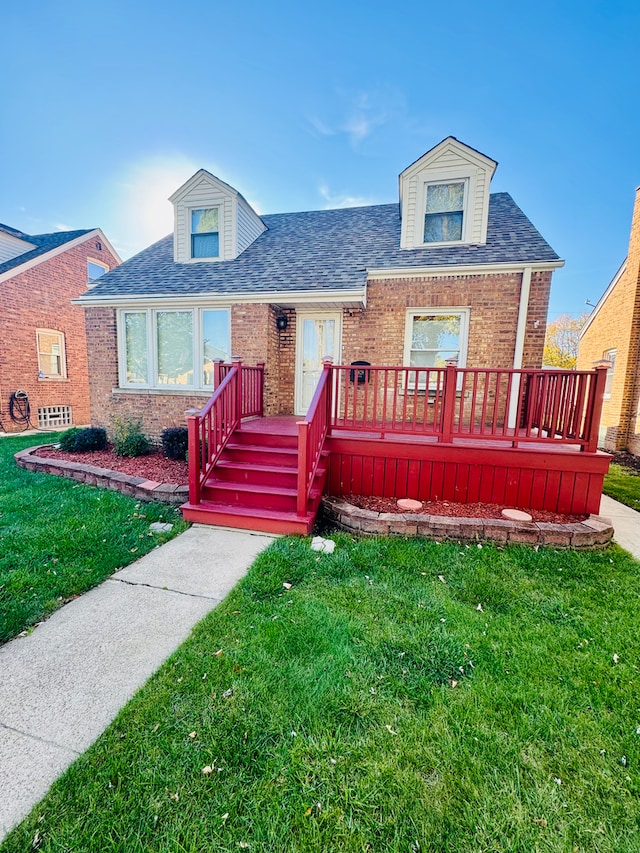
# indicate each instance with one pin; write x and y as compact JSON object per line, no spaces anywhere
{"x":13,"y":243}
{"x":212,"y":221}
{"x":444,"y":197}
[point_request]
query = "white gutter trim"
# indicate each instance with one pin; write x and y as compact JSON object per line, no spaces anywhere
{"x":290,"y":297}
{"x":461,"y":269}
{"x":521,"y":329}
{"x":27,"y":265}
{"x":603,"y":299}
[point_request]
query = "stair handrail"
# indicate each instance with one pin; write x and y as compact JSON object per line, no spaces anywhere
{"x":312,"y":432}
{"x":210,"y":429}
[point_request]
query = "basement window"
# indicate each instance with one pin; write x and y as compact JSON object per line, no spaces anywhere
{"x":54,"y":416}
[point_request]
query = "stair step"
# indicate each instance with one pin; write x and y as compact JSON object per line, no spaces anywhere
{"x":256,"y":473}
{"x":268,"y":439}
{"x":253,"y":495}
{"x":243,"y":518}
{"x":261,"y":454}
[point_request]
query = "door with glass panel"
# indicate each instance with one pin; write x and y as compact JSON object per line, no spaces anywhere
{"x":318,"y":335}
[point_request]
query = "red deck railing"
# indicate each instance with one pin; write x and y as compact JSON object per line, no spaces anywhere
{"x":558,"y":406}
{"x":238,"y":394}
{"x":311,"y":435}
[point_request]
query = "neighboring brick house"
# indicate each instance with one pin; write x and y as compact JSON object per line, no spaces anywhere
{"x":612,"y":334}
{"x":44,"y":380}
{"x":449,"y":272}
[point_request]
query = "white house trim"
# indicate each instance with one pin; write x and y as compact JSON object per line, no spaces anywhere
{"x":460,"y":269}
{"x":27,"y":265}
{"x":349,"y":298}
{"x":604,"y":298}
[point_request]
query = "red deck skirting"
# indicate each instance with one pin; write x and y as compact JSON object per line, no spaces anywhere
{"x":537,"y":477}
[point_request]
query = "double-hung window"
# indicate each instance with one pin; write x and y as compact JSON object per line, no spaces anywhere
{"x":166,"y":348}
{"x":205,"y":233}
{"x":444,"y":212}
{"x":434,"y":337}
{"x":51,"y":355}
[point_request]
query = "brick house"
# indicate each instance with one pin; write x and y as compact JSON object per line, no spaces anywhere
{"x":612,"y":334}
{"x":44,"y":380}
{"x":450,"y":272}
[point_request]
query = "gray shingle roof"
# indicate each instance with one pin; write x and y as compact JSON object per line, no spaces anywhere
{"x":321,"y":250}
{"x":43,"y":243}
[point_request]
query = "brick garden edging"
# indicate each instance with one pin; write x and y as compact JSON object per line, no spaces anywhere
{"x":135,"y":487}
{"x":594,"y":532}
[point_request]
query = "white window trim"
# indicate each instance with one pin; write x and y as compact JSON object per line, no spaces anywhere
{"x":463,"y":312}
{"x":56,"y":377}
{"x":606,"y":356}
{"x":204,"y":206}
{"x":449,"y":176}
{"x":152,"y":347}
{"x":92,"y":282}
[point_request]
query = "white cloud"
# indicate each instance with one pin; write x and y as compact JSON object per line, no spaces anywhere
{"x":334,"y":200}
{"x":360,"y":114}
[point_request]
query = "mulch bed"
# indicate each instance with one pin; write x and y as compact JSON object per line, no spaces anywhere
{"x":458,"y":510}
{"x":154,"y":466}
{"x":627,"y":460}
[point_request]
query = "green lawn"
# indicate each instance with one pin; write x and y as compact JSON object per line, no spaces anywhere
{"x":60,"y":538}
{"x":623,"y":484}
{"x":402,"y":695}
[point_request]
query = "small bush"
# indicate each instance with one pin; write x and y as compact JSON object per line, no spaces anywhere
{"x":68,"y":440}
{"x":175,"y":442}
{"x":84,"y":440}
{"x":128,"y":438}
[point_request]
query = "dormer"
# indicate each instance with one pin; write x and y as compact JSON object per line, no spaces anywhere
{"x":13,"y":243}
{"x":444,"y":197}
{"x":212,"y":221}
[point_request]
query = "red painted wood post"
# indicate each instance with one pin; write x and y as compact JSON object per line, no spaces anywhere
{"x":448,"y":403}
{"x":327,"y":366}
{"x":194,"y":458}
{"x":217,"y":364}
{"x":236,"y":360}
{"x":303,"y":434}
{"x":260,"y":365}
{"x":595,"y":404}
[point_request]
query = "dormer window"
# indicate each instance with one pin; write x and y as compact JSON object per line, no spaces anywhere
{"x":444,"y":212}
{"x":205,"y":234}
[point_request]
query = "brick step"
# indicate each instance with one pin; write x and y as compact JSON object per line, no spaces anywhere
{"x":244,"y":518}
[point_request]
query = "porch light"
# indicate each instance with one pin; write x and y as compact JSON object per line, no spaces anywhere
{"x":282,"y":322}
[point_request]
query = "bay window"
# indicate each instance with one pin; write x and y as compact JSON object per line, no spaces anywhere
{"x":167,"y":348}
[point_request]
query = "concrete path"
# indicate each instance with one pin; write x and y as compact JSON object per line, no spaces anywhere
{"x":63,"y":684}
{"x":626,"y":524}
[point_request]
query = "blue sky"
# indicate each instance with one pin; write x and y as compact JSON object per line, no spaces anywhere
{"x":107,"y":108}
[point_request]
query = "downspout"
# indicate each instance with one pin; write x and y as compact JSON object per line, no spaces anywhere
{"x":521,"y":329}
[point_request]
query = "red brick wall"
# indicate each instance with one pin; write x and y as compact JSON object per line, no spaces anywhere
{"x":40,"y":298}
{"x":375,"y":334}
{"x":617,"y":326}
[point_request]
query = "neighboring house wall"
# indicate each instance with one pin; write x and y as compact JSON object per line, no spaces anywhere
{"x":615,"y":325}
{"x":40,"y":298}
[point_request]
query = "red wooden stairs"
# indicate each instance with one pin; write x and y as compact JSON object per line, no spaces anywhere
{"x":253,"y":485}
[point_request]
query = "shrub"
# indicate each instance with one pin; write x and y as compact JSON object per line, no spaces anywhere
{"x":68,"y":440}
{"x":128,"y":438}
{"x":175,"y":442}
{"x":84,"y":440}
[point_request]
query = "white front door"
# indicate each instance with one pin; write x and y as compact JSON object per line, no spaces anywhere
{"x":317,"y":336}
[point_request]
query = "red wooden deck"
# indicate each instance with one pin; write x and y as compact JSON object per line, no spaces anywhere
{"x":269,"y":473}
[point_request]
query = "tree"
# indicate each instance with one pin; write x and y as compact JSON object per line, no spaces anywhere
{"x":561,"y":341}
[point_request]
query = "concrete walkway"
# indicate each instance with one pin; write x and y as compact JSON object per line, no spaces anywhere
{"x":626,"y":524}
{"x":63,"y":684}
